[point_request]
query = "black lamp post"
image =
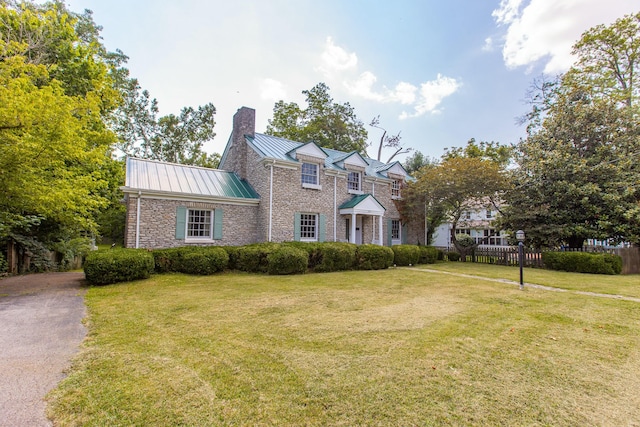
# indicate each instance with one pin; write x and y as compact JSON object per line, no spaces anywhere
{"x":520,"y":239}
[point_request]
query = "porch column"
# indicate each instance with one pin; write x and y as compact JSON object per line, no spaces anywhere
{"x":380,"y":230}
{"x":352,"y":236}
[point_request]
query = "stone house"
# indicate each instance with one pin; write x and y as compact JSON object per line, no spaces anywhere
{"x":266,"y":189}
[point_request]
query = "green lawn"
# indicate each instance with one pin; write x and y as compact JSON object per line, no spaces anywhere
{"x":392,"y":348}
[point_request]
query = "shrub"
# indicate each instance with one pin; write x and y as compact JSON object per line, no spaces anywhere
{"x":336,"y":257}
{"x":405,"y":254}
{"x":203,"y":260}
{"x":373,"y":257}
{"x":167,"y":260}
{"x":428,"y":254}
{"x":440,"y":255}
{"x":313,"y":250}
{"x":453,"y":256}
{"x":232,"y":251}
{"x":583,"y":262}
{"x":118,"y":265}
{"x":253,"y":258}
{"x":287,"y":260}
{"x":4,"y":266}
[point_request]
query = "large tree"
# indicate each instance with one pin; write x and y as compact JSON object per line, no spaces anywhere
{"x":578,"y":168}
{"x":325,"y":122}
{"x":55,"y":91}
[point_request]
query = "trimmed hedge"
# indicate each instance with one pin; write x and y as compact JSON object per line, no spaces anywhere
{"x":167,"y":260}
{"x":336,"y":257}
{"x":453,"y":256}
{"x":583,"y":262}
{"x":373,"y":257}
{"x":404,"y":255}
{"x":203,"y":261}
{"x":429,"y":254}
{"x":254,"y":258}
{"x":118,"y":265}
{"x":287,"y":260}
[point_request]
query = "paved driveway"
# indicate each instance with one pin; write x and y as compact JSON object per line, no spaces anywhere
{"x":40,"y":331}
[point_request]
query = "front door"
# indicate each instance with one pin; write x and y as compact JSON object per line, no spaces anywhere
{"x":358,"y":230}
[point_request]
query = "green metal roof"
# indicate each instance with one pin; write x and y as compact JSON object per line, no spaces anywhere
{"x":150,"y":175}
{"x":273,"y":147}
{"x":356,"y":200}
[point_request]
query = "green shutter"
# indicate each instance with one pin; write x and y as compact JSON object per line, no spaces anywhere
{"x":389,"y":232}
{"x":321,"y":227}
{"x":405,"y":231}
{"x":217,"y":224}
{"x":181,"y":222}
{"x":296,"y":227}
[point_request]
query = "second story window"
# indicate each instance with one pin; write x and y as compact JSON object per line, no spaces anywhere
{"x":310,"y":175}
{"x":396,"y":185}
{"x":489,"y":213}
{"x":353,"y":182}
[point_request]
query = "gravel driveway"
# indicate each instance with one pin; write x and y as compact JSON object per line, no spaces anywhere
{"x":40,"y":331}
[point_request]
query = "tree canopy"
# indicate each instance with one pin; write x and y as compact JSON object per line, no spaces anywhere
{"x":578,"y":172}
{"x":325,"y":122}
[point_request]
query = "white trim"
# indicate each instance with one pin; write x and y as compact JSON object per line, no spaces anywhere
{"x":197,"y":239}
{"x":163,"y":195}
{"x":270,"y":201}
{"x":312,"y":186}
{"x":284,"y":164}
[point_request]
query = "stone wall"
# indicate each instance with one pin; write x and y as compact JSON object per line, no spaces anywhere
{"x":158,"y":223}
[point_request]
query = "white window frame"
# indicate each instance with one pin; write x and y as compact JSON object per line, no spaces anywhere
{"x":396,"y":232}
{"x":309,"y":227}
{"x":489,"y":214}
{"x":353,"y":186}
{"x":305,"y":175}
{"x":396,"y":189}
{"x":203,"y":228}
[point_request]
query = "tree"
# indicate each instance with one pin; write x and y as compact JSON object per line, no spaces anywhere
{"x":328,"y":124}
{"x":417,"y":161}
{"x":171,"y":138}
{"x":446,"y":191}
{"x":53,"y":139}
{"x":578,"y":167}
{"x":388,"y":141}
{"x":493,"y":151}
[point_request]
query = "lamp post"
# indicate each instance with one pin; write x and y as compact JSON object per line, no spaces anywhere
{"x":520,"y":239}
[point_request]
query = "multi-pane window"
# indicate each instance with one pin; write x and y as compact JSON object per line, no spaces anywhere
{"x":489,"y":213}
{"x":467,"y":215}
{"x":395,"y":229}
{"x":199,"y":224}
{"x":396,"y":185}
{"x":308,"y":227}
{"x":353,"y":181}
{"x":310,"y":173}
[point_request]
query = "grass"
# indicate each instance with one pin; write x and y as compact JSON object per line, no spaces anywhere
{"x":628,"y":285}
{"x":393,"y":347}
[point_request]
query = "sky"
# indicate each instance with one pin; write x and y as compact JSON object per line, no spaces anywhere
{"x":439,"y":72}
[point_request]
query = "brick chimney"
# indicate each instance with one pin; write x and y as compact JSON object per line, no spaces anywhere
{"x":244,"y":123}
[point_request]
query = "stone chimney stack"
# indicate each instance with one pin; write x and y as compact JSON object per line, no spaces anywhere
{"x":244,"y":123}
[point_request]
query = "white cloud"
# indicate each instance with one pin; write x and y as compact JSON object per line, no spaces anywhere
{"x":272,"y":90}
{"x":431,"y":95}
{"x":488,"y":45}
{"x":335,"y":58}
{"x":545,"y":30}
{"x":341,"y":66}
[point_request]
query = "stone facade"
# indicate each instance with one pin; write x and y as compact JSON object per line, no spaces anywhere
{"x":158,"y":223}
{"x":282,"y":195}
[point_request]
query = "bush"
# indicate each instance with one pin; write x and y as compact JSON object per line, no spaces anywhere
{"x":118,"y":265}
{"x":232,"y":251}
{"x":405,"y":254}
{"x":311,"y":248}
{"x":429,"y":254}
{"x":582,"y":262}
{"x":287,"y":260}
{"x":453,"y":256}
{"x":336,"y":257}
{"x":253,"y":258}
{"x":167,"y":260}
{"x":203,"y":260}
{"x":4,"y":266}
{"x":373,"y":257}
{"x":440,"y":255}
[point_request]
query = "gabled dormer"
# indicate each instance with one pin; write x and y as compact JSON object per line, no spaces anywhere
{"x":311,"y":158}
{"x":355,"y":165}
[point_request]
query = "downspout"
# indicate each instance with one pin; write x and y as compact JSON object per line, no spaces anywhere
{"x":270,"y":198}
{"x":138,"y":221}
{"x":335,"y":208}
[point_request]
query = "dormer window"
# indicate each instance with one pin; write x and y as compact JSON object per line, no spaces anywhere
{"x":310,"y":175}
{"x":396,"y":185}
{"x":354,"y":182}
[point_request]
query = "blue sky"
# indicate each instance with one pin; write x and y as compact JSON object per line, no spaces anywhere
{"x":439,"y":72}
